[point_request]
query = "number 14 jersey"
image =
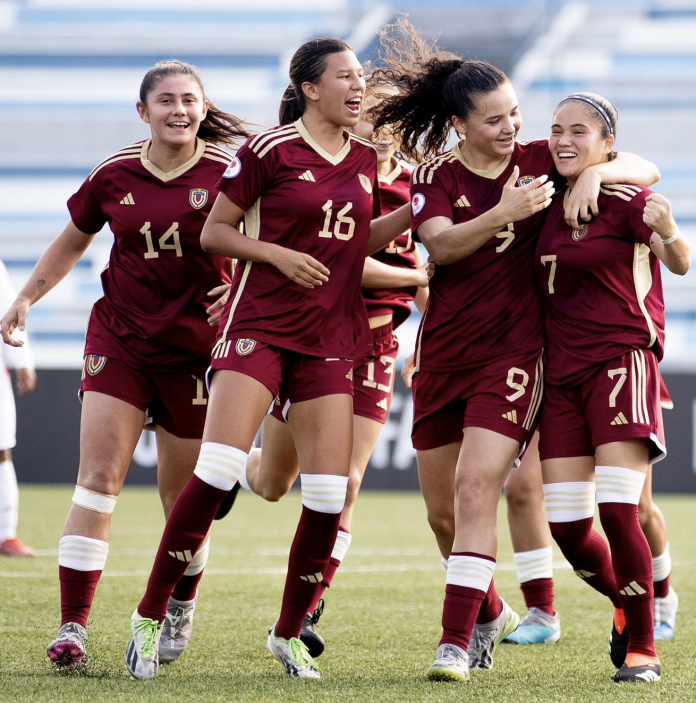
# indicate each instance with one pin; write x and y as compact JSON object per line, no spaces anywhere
{"x":298,"y":196}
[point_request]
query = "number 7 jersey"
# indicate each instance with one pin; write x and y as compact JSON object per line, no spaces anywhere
{"x":298,"y":196}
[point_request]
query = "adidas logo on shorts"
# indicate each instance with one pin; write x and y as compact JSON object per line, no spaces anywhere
{"x":620,"y":419}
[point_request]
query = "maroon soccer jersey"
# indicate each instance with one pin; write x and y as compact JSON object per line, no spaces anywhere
{"x":602,"y":285}
{"x":393,"y":193}
{"x":486,"y":306}
{"x":296,"y":195}
{"x":153,"y":311}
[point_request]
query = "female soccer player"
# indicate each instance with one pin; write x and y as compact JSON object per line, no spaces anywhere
{"x":22,"y":360}
{"x":479,"y":357}
{"x":307,"y":191}
{"x":392,"y":278}
{"x":602,"y":423}
{"x":148,"y":339}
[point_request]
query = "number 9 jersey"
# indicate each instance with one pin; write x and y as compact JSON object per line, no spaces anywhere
{"x":153,"y":311}
{"x":298,"y":196}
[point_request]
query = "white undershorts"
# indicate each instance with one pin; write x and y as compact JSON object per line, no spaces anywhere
{"x":8,"y":411}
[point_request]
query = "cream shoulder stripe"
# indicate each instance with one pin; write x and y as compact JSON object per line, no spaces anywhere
{"x":280,"y":140}
{"x":128,"y":153}
{"x":258,"y":141}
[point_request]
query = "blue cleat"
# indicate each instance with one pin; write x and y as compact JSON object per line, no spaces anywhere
{"x":666,"y":616}
{"x":537,"y":627}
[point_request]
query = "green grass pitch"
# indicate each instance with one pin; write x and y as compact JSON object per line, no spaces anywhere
{"x":381,"y":624}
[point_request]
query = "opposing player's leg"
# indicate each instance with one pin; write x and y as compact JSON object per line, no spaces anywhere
{"x":653,"y":524}
{"x":10,"y":544}
{"x":230,"y":429}
{"x":110,"y":429}
{"x":176,"y":460}
{"x":531,"y":541}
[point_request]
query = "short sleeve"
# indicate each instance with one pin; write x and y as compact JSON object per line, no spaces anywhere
{"x":428,"y":200}
{"x":247,"y":176}
{"x":632,"y":225}
{"x":85,"y":208}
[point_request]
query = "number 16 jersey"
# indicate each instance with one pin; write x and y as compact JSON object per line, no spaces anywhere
{"x":298,"y":196}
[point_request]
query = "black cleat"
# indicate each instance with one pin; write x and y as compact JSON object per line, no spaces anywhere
{"x":227,"y":502}
{"x":637,"y":674}
{"x":618,"y":644}
{"x":311,"y":639}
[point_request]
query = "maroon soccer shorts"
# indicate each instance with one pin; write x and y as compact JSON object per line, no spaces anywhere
{"x":175,"y":399}
{"x":620,"y":401}
{"x":503,"y":396}
{"x":373,"y":377}
{"x":303,"y":377}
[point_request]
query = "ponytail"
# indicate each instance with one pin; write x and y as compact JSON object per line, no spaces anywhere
{"x":433,"y":86}
{"x":291,"y":107}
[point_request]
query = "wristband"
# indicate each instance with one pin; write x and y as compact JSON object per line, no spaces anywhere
{"x":672,"y":239}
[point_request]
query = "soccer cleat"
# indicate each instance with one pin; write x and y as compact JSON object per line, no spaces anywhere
{"x":537,"y":627}
{"x":313,"y":640}
{"x":14,"y":547}
{"x":227,"y":502}
{"x":176,"y":629}
{"x":618,"y":640}
{"x":638,"y":668}
{"x":451,"y":664}
{"x":142,"y":653}
{"x":486,"y":637}
{"x":293,"y":655}
{"x":666,"y":616}
{"x":68,"y":648}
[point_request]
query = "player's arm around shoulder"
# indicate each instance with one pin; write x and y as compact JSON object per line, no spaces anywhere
{"x":667,"y":242}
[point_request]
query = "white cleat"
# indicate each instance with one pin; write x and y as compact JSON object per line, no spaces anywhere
{"x":142,"y":653}
{"x":176,"y":629}
{"x":451,"y":664}
{"x":485,"y":638}
{"x":293,"y":655}
{"x":537,"y":627}
{"x":666,"y":615}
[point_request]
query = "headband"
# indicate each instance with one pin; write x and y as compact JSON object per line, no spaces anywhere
{"x":596,"y":106}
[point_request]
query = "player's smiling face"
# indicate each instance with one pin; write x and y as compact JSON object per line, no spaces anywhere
{"x":174,"y":110}
{"x":384,"y":142}
{"x":576,"y":140}
{"x":339,"y":93}
{"x":491,"y":130}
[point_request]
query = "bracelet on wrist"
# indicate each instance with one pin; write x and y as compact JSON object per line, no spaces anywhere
{"x":672,"y":239}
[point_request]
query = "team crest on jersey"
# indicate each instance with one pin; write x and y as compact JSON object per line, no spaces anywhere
{"x":232,"y":171}
{"x":94,"y":364}
{"x":417,"y":203}
{"x":245,"y":346}
{"x":581,"y":232}
{"x":365,"y":183}
{"x":198,"y":197}
{"x":524,"y":180}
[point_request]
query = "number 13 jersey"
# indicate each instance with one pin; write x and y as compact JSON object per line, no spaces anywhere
{"x":298,"y":196}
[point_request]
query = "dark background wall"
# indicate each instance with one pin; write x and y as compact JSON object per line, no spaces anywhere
{"x":49,"y":429}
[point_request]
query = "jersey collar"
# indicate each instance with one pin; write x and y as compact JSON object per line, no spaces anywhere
{"x":333,"y":160}
{"x":457,"y":151}
{"x":171,"y":175}
{"x":393,"y":174}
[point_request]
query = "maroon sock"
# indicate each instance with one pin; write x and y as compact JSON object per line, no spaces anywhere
{"x":76,"y":594}
{"x":187,"y":586}
{"x":538,"y":593}
{"x":588,"y":554}
{"x":462,"y":605}
{"x":186,"y":530}
{"x":491,"y":606}
{"x":309,"y":557}
{"x":632,"y":562}
{"x":329,"y":573}
{"x":661,"y":588}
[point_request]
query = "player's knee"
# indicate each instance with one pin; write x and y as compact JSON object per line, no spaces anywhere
{"x":272,"y":493}
{"x":102,"y":480}
{"x":521,"y":495}
{"x":442,"y":525}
